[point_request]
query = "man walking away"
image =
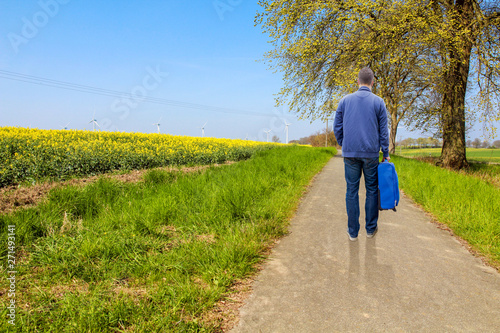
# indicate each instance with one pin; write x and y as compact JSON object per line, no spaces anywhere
{"x":361,"y":129}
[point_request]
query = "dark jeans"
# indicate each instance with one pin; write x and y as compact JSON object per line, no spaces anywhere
{"x":353,"y":168}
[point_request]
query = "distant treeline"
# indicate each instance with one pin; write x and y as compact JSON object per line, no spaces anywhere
{"x":322,"y":139}
{"x":319,"y":139}
{"x":437,"y":143}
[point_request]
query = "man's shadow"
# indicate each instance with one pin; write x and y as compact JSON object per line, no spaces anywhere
{"x":377,"y":276}
{"x":354,"y":274}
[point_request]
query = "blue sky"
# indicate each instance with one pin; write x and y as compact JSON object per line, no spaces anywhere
{"x":204,"y":52}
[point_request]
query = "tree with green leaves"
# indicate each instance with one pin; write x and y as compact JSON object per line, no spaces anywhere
{"x":321,"y":45}
{"x":476,"y":143}
{"x":423,"y":52}
{"x":465,"y":32}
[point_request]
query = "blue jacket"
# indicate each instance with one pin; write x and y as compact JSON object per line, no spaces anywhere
{"x":361,"y":125}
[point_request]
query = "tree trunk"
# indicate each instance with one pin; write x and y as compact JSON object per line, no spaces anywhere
{"x":453,"y":154}
{"x":394,"y":132}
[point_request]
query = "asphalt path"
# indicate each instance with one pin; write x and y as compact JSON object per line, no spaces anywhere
{"x":411,"y":277}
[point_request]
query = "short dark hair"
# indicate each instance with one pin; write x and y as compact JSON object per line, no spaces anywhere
{"x":365,"y":76}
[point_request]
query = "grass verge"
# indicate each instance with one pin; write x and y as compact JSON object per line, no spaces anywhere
{"x":17,"y":197}
{"x":468,"y":205}
{"x":483,"y":163}
{"x":473,"y":154}
{"x":155,"y":255}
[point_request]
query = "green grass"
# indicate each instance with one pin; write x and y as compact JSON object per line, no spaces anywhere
{"x":468,"y":205}
{"x":484,"y":163}
{"x":153,"y":256}
{"x":491,"y":170}
{"x":483,"y":155}
{"x":473,"y":154}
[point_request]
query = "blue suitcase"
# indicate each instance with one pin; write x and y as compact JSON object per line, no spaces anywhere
{"x":388,"y":186}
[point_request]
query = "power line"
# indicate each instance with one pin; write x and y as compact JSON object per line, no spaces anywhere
{"x":113,"y":93}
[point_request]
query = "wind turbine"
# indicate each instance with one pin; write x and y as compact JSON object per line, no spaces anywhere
{"x":268,"y":131}
{"x":66,"y":126}
{"x":94,"y":122}
{"x":286,"y":130}
{"x":203,"y":130}
{"x":158,"y":125}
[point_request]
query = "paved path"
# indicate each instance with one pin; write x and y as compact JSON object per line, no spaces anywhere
{"x":411,"y":277}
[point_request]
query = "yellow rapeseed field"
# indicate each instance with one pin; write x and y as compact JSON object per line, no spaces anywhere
{"x":33,"y":154}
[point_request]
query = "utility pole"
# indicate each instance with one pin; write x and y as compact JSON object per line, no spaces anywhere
{"x":326,"y":133}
